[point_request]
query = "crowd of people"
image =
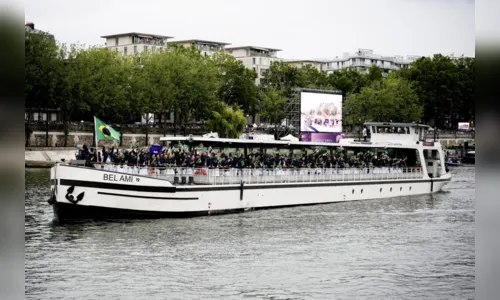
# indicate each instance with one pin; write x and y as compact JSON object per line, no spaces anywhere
{"x":211,"y":158}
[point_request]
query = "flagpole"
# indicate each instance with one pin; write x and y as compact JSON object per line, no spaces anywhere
{"x":95,"y":134}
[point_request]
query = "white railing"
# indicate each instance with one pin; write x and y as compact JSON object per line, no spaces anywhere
{"x":208,"y":176}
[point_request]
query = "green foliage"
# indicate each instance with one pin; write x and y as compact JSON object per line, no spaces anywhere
{"x":83,"y":82}
{"x":445,"y":86}
{"x":228,"y":123}
{"x":374,"y":73}
{"x":391,"y":99}
{"x":237,"y":83}
{"x":180,"y":81}
{"x":348,"y":80}
{"x":41,"y":66}
{"x":273,"y":103}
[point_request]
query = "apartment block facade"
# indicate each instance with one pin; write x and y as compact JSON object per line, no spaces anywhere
{"x":257,"y":58}
{"x":364,"y":58}
{"x":134,"y":42}
{"x":206,"y":48}
{"x":318,"y":64}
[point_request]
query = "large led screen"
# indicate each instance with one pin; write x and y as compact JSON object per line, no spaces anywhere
{"x":320,"y":113}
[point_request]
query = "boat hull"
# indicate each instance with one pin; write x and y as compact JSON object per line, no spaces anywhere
{"x":106,"y":194}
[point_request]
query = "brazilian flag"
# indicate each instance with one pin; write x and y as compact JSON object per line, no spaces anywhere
{"x":105,"y":132}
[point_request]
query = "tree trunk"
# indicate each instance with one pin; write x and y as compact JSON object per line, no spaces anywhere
{"x":46,"y":126}
{"x":65,"y":129}
{"x":175,"y":124}
{"x":147,"y":129}
{"x":121,"y":134}
{"x":28,"y":130}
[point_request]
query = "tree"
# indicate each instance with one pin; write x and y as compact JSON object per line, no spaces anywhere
{"x":310,"y":77}
{"x":226,"y":121}
{"x":347,"y":80}
{"x":273,"y":105}
{"x":283,"y":77}
{"x":181,"y":81}
{"x":374,"y":73}
{"x":441,"y":84}
{"x":237,"y":83}
{"x":40,"y":72}
{"x":391,"y":99}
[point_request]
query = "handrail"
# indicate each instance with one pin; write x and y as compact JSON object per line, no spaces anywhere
{"x":224,"y":176}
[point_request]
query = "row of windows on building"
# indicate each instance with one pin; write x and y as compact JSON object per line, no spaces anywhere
{"x":362,"y":61}
{"x":145,"y":48}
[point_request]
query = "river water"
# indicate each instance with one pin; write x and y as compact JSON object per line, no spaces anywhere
{"x":418,"y":247}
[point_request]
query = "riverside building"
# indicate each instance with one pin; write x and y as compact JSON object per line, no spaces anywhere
{"x":135,"y":42}
{"x":257,"y":58}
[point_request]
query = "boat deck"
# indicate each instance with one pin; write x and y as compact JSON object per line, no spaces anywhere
{"x":206,"y":176}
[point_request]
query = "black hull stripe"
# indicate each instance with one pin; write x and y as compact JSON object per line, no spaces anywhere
{"x":116,"y":186}
{"x":194,"y":188}
{"x":67,"y":211}
{"x":147,"y":197}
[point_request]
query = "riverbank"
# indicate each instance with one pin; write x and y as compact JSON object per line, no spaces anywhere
{"x":38,"y":164}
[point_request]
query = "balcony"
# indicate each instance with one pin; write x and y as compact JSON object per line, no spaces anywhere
{"x":149,"y":41}
{"x":209,"y":48}
{"x":261,"y":53}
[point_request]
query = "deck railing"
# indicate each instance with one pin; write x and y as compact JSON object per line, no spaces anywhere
{"x":220,"y":176}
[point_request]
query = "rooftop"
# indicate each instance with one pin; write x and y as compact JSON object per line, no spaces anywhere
{"x":30,"y":27}
{"x":200,"y":41}
{"x":397,"y":124}
{"x":253,"y":47}
{"x":303,"y":60}
{"x":148,"y":35}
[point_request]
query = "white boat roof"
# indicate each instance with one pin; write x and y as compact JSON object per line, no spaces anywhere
{"x":243,"y":142}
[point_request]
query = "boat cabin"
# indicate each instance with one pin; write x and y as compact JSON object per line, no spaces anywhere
{"x":410,"y":133}
{"x":396,"y":132}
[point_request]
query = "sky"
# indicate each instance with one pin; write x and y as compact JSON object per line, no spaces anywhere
{"x":313,"y":29}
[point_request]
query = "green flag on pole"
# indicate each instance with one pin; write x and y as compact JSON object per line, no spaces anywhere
{"x":105,"y":132}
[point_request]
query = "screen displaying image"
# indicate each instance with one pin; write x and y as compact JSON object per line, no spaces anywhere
{"x":320,"y":112}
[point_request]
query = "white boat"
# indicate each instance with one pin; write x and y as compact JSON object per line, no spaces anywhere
{"x":109,"y":191}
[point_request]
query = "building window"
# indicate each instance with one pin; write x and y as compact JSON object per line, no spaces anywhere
{"x":254,"y":60}
{"x":116,"y":41}
{"x":135,"y":49}
{"x":145,"y":48}
{"x":125,"y":50}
